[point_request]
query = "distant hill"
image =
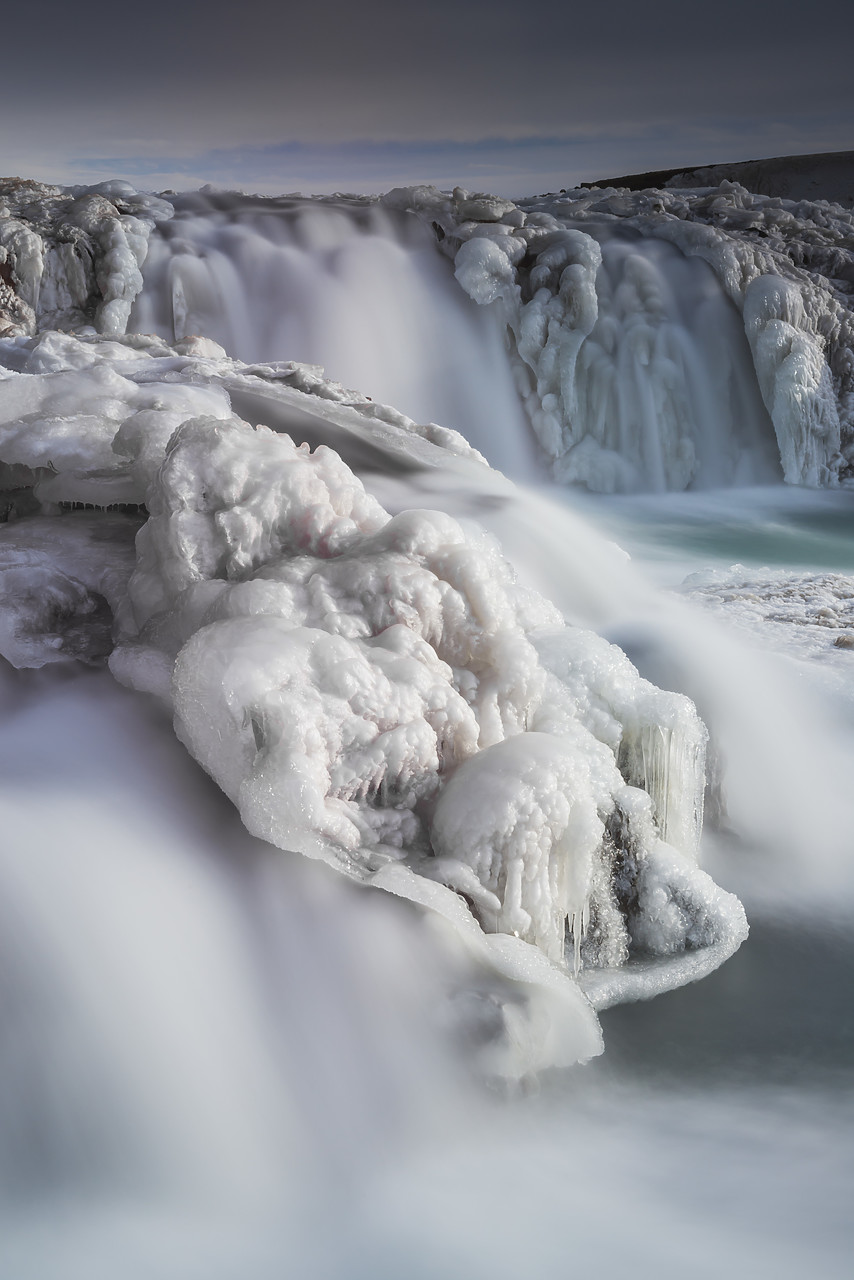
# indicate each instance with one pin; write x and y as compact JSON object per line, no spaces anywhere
{"x":827,"y":176}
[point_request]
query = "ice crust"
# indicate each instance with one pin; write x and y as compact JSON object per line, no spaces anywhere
{"x":614,"y":391}
{"x":71,"y":256}
{"x":812,"y":614}
{"x":377,"y":691}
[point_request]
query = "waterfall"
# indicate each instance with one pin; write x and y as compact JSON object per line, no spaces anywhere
{"x":646,"y":385}
{"x":219,"y":1058}
{"x":662,"y":393}
{"x":348,"y":285}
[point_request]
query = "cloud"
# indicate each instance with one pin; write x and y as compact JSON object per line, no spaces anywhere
{"x":513,"y":166}
{"x":350,"y":159}
{"x":480,"y":92}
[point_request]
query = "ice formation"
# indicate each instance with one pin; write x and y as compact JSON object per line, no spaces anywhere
{"x":377,"y":691}
{"x":637,"y":368}
{"x":71,"y":256}
{"x":589,"y":290}
{"x":811,"y":614}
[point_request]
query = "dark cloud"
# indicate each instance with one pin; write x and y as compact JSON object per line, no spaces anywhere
{"x":514,"y":166}
{"x":181,"y":88}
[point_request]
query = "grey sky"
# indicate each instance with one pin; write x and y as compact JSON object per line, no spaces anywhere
{"x":509,"y":95}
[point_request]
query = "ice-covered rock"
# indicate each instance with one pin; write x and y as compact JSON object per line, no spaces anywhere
{"x":71,"y":257}
{"x":795,"y":380}
{"x":810,"y":614}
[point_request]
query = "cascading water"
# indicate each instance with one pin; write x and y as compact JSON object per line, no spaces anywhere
{"x":659,"y":394}
{"x":663,"y":394}
{"x":351,"y":286}
{"x":220,"y":1063}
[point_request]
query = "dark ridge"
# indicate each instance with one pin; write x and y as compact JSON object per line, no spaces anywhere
{"x":828,"y":175}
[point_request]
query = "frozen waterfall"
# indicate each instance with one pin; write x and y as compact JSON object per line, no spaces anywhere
{"x":626,"y":354}
{"x":519,"y":772}
{"x":635,"y":373}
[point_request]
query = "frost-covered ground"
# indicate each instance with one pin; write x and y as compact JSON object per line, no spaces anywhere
{"x":386,"y":656}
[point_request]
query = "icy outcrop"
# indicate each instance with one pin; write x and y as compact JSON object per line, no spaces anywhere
{"x":795,"y":380}
{"x":377,"y":691}
{"x":613,"y":390}
{"x":524,"y":815}
{"x":71,"y":257}
{"x":370,"y":690}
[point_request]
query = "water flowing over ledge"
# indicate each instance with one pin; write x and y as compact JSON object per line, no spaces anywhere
{"x":380,"y":690}
{"x":581,"y":329}
{"x":352,"y":680}
{"x":637,"y":371}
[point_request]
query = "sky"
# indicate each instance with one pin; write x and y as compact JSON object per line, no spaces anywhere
{"x":512,"y":96}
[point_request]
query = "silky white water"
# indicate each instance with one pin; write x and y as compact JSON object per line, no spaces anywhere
{"x":222,"y":1060}
{"x":666,"y":372}
{"x":355,"y":288}
{"x":263,"y":1103}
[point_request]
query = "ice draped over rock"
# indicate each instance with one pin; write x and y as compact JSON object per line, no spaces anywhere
{"x":333,"y":668}
{"x":72,"y":256}
{"x":615,"y":393}
{"x":377,"y":691}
